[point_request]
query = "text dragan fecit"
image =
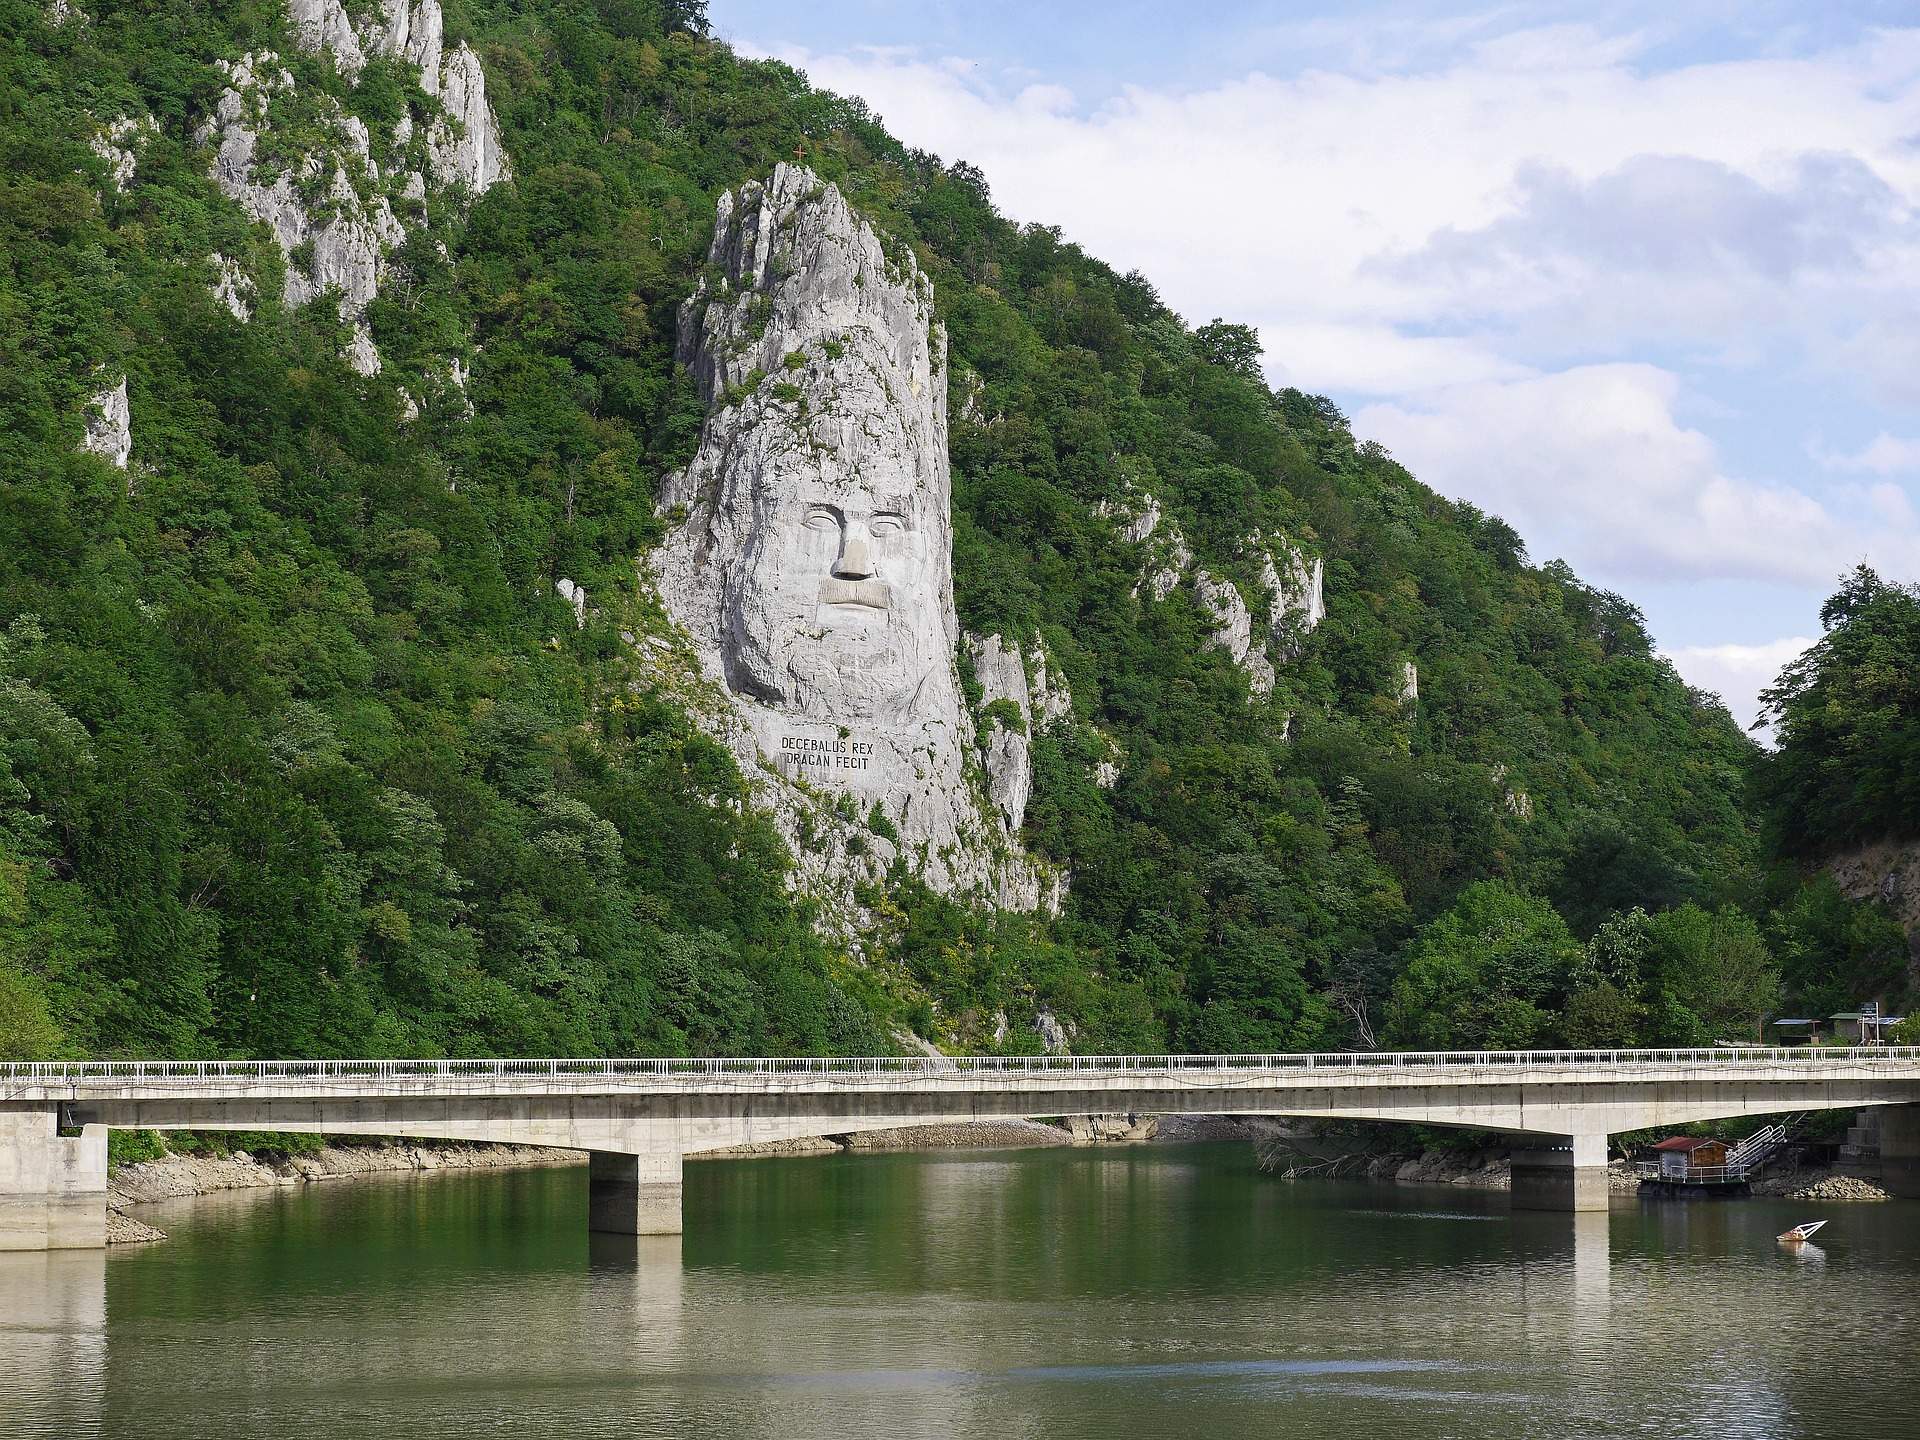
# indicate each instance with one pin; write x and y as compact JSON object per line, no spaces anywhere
{"x":825,"y":752}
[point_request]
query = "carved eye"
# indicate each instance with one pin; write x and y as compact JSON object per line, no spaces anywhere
{"x":819,"y":517}
{"x":887,"y":523}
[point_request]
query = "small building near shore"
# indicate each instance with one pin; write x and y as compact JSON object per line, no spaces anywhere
{"x":1684,"y":1155}
{"x":1865,"y":1026}
{"x":1794,"y":1032}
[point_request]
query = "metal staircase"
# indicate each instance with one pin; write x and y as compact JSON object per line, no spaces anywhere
{"x":1754,"y":1151}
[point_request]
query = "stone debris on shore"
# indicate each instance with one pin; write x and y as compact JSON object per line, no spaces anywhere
{"x":1840,"y":1187}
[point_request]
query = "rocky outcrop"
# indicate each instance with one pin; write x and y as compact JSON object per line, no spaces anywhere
{"x":1111,"y":1129}
{"x":1055,"y":1038}
{"x":1296,"y":597}
{"x":1408,"y":690}
{"x":1006,"y":720}
{"x":233,"y":287}
{"x":576,"y":596}
{"x":1293,"y":587}
{"x":333,"y":210}
{"x":322,"y":28}
{"x":119,"y":146}
{"x":1515,"y":801}
{"x":810,"y":567}
{"x":337,"y":247}
{"x":463,"y":143}
{"x":1887,"y":871}
{"x":109,"y":425}
{"x":1233,"y":629}
{"x":1052,"y":697}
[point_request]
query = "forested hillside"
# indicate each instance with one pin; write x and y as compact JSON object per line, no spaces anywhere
{"x":301,"y":751}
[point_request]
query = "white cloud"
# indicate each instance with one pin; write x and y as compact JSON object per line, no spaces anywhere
{"x":1883,"y":455}
{"x":1306,"y":198}
{"x":1591,"y":464}
{"x":1491,"y":226}
{"x":1737,"y":673}
{"x":1373,"y":359}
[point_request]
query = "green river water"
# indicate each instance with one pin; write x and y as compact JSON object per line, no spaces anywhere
{"x":1143,"y":1291}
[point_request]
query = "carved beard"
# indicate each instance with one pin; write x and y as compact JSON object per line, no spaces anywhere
{"x":876,"y":683}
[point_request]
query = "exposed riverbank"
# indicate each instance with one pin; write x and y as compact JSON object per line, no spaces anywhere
{"x":180,"y":1174}
{"x":1298,"y":1154}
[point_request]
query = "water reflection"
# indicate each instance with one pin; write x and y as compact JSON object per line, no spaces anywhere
{"x":1140,"y":1292}
{"x":53,"y":1341}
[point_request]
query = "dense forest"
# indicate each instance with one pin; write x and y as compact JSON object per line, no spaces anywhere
{"x":301,"y":753}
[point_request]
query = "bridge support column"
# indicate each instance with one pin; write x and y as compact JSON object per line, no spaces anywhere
{"x":53,"y":1188}
{"x":633,"y":1194}
{"x":1562,"y":1173}
{"x":1900,"y":1149}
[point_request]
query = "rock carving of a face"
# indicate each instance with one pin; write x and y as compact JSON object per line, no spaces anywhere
{"x":837,"y":604}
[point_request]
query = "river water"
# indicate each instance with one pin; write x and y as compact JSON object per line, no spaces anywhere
{"x":1156,"y":1290}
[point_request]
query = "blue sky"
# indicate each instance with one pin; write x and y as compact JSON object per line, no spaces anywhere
{"x":1647,"y":285}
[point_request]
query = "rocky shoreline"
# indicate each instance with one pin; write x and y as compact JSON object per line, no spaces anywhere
{"x":1285,"y":1151}
{"x":1293,"y":1155}
{"x":181,"y":1174}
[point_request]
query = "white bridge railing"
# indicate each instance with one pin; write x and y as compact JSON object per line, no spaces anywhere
{"x":1803,"y":1059}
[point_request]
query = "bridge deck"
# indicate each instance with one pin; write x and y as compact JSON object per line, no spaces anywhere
{"x":147,"y":1079}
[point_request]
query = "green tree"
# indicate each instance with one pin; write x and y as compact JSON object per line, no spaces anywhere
{"x":1713,"y":976}
{"x":1485,"y":974}
{"x":1835,"y":952}
{"x":1847,"y":717}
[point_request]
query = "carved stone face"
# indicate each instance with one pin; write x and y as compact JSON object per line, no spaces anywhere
{"x":836,"y":605}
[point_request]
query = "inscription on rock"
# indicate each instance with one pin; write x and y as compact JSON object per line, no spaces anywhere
{"x":825,"y":757}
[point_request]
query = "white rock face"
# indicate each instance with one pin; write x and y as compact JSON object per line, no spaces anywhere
{"x":1052,"y":698}
{"x":576,"y":596}
{"x":345,"y":250}
{"x":1296,"y":591}
{"x":1007,"y":739}
{"x":119,"y":145}
{"x":1233,"y":629}
{"x":1294,"y":587}
{"x":1516,"y":801}
{"x":813,"y":573}
{"x":339,"y":244}
{"x":232,"y":286}
{"x":463,"y":140}
{"x":109,"y":420}
{"x":463,"y":146}
{"x":1053,"y":1036}
{"x":322,"y":27}
{"x":61,"y":11}
{"x":1409,"y":683}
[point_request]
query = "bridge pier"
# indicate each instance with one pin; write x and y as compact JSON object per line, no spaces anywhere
{"x":633,"y":1194}
{"x":1900,"y":1149}
{"x":53,"y":1188}
{"x":1567,"y":1172}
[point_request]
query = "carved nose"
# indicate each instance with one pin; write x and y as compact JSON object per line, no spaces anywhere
{"x":853,"y":563}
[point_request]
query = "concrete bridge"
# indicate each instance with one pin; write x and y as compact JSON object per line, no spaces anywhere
{"x":639,"y":1118}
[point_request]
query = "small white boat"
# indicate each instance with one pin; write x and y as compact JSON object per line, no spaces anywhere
{"x":1800,"y":1234}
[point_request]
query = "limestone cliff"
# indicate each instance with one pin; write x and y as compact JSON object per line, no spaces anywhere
{"x":810,"y":565}
{"x":109,"y":425}
{"x":1887,"y":871}
{"x":1006,"y":725}
{"x":336,"y":211}
{"x":1292,"y":587}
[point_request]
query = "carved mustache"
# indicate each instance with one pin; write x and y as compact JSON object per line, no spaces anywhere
{"x":874,"y":594}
